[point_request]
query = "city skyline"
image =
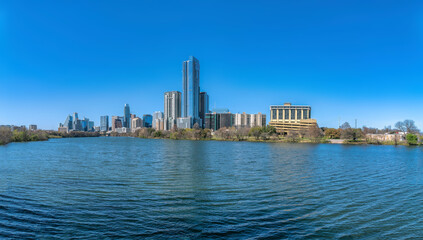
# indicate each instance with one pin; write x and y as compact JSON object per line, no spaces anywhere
{"x":340,"y":58}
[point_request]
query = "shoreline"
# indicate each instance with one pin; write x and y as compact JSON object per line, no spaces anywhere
{"x":55,"y":135}
{"x":303,"y":141}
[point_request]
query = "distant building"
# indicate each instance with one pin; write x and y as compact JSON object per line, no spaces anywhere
{"x":63,"y":129}
{"x":243,"y":120}
{"x":191,"y":89}
{"x":85,"y":124}
{"x":126,"y":116}
{"x":97,"y":129}
{"x":73,"y":123}
{"x":90,"y":126}
{"x":76,"y":124}
{"x":160,"y":125}
{"x":184,"y":122}
{"x":117,"y":122}
{"x":204,"y":107}
{"x":123,"y":130}
{"x":215,"y":121}
{"x":286,"y":118}
{"x":68,"y":122}
{"x":158,"y":120}
{"x":220,"y":110}
{"x":147,"y":120}
{"x":136,"y":123}
{"x":104,"y":123}
{"x":172,"y":109}
{"x":32,"y":127}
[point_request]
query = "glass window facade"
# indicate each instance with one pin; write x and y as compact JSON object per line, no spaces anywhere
{"x":305,"y":114}
{"x":289,"y":112}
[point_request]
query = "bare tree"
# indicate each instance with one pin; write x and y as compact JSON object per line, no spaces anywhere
{"x":314,"y":132}
{"x":400,"y":126}
{"x":242,"y":133}
{"x":407,"y":126}
{"x":410,"y":126}
{"x":5,"y":135}
{"x":293,"y":136}
{"x":345,"y":125}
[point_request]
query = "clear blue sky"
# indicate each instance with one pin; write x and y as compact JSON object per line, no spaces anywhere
{"x":347,"y":59}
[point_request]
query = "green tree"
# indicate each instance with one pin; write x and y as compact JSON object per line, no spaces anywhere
{"x":332,"y":133}
{"x":255,"y":132}
{"x":412,"y":139}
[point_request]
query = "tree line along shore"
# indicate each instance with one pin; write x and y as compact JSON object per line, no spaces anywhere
{"x":405,"y":133}
{"x":24,"y":135}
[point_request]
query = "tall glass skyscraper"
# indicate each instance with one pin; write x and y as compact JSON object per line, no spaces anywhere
{"x":104,"y":123}
{"x":191,"y":89}
{"x":126,"y":116}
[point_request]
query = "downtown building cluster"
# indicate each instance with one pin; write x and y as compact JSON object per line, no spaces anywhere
{"x":190,"y":109}
{"x":73,"y":123}
{"x":186,"y":109}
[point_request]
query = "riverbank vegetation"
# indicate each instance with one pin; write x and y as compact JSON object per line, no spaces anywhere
{"x":344,"y":134}
{"x":255,"y":134}
{"x":24,"y":135}
{"x":404,"y":133}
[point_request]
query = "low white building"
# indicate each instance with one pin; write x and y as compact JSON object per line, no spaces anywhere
{"x":123,"y":130}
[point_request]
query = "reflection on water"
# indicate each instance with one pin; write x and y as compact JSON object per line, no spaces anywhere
{"x":139,"y":188}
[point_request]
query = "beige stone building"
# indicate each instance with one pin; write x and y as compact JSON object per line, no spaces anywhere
{"x":286,"y":118}
{"x":136,"y":122}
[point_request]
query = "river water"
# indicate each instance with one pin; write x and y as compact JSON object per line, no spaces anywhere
{"x":115,"y":187}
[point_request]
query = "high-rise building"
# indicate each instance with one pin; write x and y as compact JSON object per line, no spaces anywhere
{"x":117,"y":122}
{"x":90,"y":126}
{"x":68,"y":122}
{"x":215,"y":121}
{"x":147,"y":120}
{"x":136,"y":122}
{"x":183,"y":122}
{"x":104,"y":123}
{"x":32,"y":127}
{"x":243,"y":120}
{"x":191,"y":89}
{"x":287,"y":117}
{"x":204,"y":107}
{"x":126,"y":116}
{"x":85,"y":124}
{"x":157,"y":120}
{"x":172,"y":109}
{"x":76,"y":124}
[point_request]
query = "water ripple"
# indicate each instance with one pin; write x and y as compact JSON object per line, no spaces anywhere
{"x":102,"y":188}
